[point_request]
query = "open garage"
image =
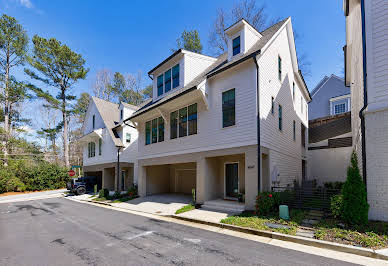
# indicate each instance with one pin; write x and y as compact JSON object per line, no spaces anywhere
{"x":171,"y":178}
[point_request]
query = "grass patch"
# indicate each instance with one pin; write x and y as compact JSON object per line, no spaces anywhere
{"x":100,"y":199}
{"x":258,"y":222}
{"x":186,"y":208}
{"x":123,"y":199}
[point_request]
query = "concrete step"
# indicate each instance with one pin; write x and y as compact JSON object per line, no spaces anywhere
{"x":224,"y":206}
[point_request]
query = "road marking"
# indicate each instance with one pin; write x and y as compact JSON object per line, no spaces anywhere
{"x":193,"y":240}
{"x":140,"y":235}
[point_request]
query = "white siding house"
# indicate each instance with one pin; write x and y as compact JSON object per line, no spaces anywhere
{"x":202,"y":132}
{"x":104,"y":136}
{"x":366,"y":72}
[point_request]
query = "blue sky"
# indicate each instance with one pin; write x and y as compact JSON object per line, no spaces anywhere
{"x":128,"y":36}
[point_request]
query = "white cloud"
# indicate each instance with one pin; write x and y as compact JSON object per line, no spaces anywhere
{"x":26,"y":3}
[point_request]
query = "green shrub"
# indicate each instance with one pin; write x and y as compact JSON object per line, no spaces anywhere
{"x":14,"y":184}
{"x":265,"y":203}
{"x":116,"y":195}
{"x":336,"y":206}
{"x":104,"y":193}
{"x":45,"y":176}
{"x":355,"y":205}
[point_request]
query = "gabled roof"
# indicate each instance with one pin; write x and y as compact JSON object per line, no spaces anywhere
{"x":109,"y":113}
{"x":218,"y":66}
{"x":130,"y":106}
{"x":266,"y":36}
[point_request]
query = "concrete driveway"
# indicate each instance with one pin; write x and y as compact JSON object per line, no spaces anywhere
{"x":162,"y":204}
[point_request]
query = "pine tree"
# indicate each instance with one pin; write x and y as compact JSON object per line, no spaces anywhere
{"x":355,"y":205}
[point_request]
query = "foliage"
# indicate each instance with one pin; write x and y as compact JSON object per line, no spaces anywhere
{"x":185,"y":208}
{"x":20,"y":176}
{"x":61,"y":68}
{"x":147,"y":92}
{"x":336,"y":206}
{"x":103,"y":193}
{"x":265,"y":203}
{"x":116,"y":195}
{"x":355,"y":205}
{"x":13,"y":51}
{"x":333,"y":185}
{"x":81,"y":107}
{"x":189,"y":40}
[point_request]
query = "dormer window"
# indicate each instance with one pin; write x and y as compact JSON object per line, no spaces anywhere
{"x":167,"y":80}
{"x":94,"y":121}
{"x":160,"y":85}
{"x":236,"y":45}
{"x":175,"y":76}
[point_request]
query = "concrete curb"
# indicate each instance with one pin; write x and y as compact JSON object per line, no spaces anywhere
{"x":366,"y":252}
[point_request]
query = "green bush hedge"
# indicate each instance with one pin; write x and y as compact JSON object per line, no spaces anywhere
{"x":20,"y":176}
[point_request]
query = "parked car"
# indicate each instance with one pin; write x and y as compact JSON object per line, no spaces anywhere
{"x":81,"y":185}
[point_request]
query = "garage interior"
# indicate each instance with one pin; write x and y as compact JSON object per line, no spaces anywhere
{"x":171,"y":178}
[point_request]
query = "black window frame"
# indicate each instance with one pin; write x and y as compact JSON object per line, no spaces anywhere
{"x":272,"y":105}
{"x":154,"y":131}
{"x":99,"y":147}
{"x":160,"y":84}
{"x":167,"y":81}
{"x":192,"y":118}
{"x":279,"y":68}
{"x":175,"y":76}
{"x":229,"y":105}
{"x":147,"y":133}
{"x":182,"y":122}
{"x":174,"y":125}
{"x":294,"y":130}
{"x":94,"y":121}
{"x":280,"y":117}
{"x":236,"y":47}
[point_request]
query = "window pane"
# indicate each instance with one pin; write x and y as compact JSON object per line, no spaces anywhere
{"x":272,"y":105}
{"x":128,"y":138}
{"x":94,"y":121}
{"x":192,"y":119}
{"x":148,"y":133}
{"x":236,"y":45}
{"x":294,"y":130}
{"x":175,"y":76}
{"x":160,"y":129}
{"x":280,"y":67}
{"x":228,"y":108}
{"x":160,"y":85}
{"x":183,"y":122}
{"x":99,"y":146}
{"x":154,"y":130}
{"x":280,"y":117}
{"x":88,"y":149}
{"x":173,"y":125}
{"x":167,"y":80}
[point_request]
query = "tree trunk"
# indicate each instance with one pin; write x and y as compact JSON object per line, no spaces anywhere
{"x":65,"y":130}
{"x":6,"y":116}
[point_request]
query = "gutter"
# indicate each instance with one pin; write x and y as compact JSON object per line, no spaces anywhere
{"x":258,"y":124}
{"x":361,"y":113}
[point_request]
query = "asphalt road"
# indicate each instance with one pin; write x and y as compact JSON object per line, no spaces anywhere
{"x":58,"y":231}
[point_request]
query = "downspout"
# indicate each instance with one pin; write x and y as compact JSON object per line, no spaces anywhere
{"x":361,"y":113}
{"x":118,"y":168}
{"x":258,"y":123}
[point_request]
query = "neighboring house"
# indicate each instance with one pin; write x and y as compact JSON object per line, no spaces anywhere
{"x":201,"y":128}
{"x":330,"y":137}
{"x":329,"y":97}
{"x":366,"y":72}
{"x":104,"y":136}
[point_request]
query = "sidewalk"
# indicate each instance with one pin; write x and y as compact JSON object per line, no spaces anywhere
{"x":33,"y":196}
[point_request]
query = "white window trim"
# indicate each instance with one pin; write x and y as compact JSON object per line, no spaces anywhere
{"x":187,"y":129}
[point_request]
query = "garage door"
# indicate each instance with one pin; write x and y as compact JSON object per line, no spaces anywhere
{"x":185,"y":180}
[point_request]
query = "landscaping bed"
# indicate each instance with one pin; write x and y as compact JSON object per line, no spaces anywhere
{"x":117,"y":197}
{"x":373,"y":235}
{"x":185,"y":208}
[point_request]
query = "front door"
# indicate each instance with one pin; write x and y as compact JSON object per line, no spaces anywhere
{"x":231,"y":180}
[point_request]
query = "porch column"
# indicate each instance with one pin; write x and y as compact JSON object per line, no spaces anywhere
{"x":142,"y":180}
{"x":251,"y":163}
{"x":201,"y":182}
